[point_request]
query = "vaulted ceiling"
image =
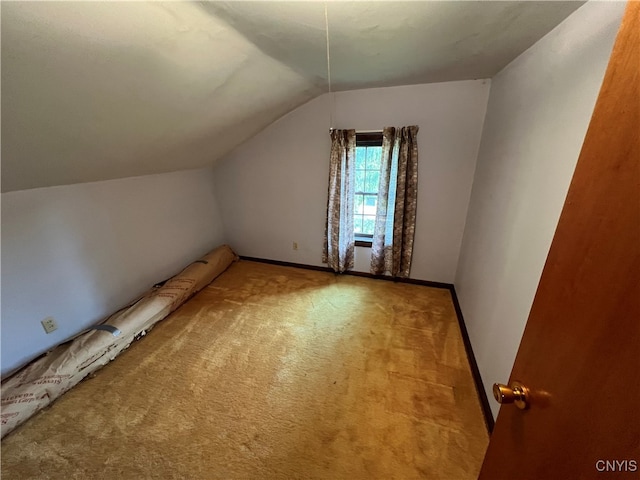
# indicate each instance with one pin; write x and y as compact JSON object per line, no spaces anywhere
{"x":101,"y":90}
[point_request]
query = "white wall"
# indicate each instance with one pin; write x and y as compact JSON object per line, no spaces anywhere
{"x":273,"y":189}
{"x":539,"y":110}
{"x":80,"y":252}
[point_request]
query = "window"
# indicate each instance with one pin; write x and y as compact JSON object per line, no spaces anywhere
{"x":367,"y":180}
{"x":372,"y":199}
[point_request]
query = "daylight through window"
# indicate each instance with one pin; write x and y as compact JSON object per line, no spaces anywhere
{"x":367,"y":180}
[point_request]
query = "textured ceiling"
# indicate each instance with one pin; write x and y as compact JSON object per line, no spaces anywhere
{"x":100,"y":90}
{"x":379,"y":44}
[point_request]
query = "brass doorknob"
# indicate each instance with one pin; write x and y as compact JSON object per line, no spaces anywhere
{"x":515,"y":393}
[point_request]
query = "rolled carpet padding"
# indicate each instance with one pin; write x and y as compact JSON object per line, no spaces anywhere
{"x":45,"y":379}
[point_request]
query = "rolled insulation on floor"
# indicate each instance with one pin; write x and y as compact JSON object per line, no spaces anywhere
{"x":41,"y":382}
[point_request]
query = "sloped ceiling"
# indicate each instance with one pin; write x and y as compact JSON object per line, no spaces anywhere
{"x":101,"y":90}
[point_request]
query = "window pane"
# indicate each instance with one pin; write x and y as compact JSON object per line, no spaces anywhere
{"x":372,"y":181}
{"x":374,"y":158}
{"x":360,"y":177}
{"x":370,"y":205}
{"x":357,"y":224}
{"x":367,"y":179}
{"x":360,"y":157}
{"x":368,"y":224}
{"x":358,"y":204}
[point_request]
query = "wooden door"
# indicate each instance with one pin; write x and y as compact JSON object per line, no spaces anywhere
{"x":580,"y":353}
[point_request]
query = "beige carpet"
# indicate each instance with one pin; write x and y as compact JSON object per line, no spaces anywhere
{"x":273,"y":373}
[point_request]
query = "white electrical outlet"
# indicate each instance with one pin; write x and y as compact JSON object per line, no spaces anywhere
{"x":295,"y":245}
{"x":49,"y":324}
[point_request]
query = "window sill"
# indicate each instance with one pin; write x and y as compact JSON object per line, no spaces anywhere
{"x":363,"y":242}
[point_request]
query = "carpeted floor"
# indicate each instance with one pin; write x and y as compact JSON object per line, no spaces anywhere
{"x":273,"y":373}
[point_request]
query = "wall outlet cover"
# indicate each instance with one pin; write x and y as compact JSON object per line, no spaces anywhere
{"x":49,"y":324}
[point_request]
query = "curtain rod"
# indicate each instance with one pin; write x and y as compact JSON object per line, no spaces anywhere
{"x":361,"y":131}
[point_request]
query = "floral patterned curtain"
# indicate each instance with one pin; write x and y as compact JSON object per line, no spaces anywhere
{"x":339,"y":242}
{"x":392,"y":246}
